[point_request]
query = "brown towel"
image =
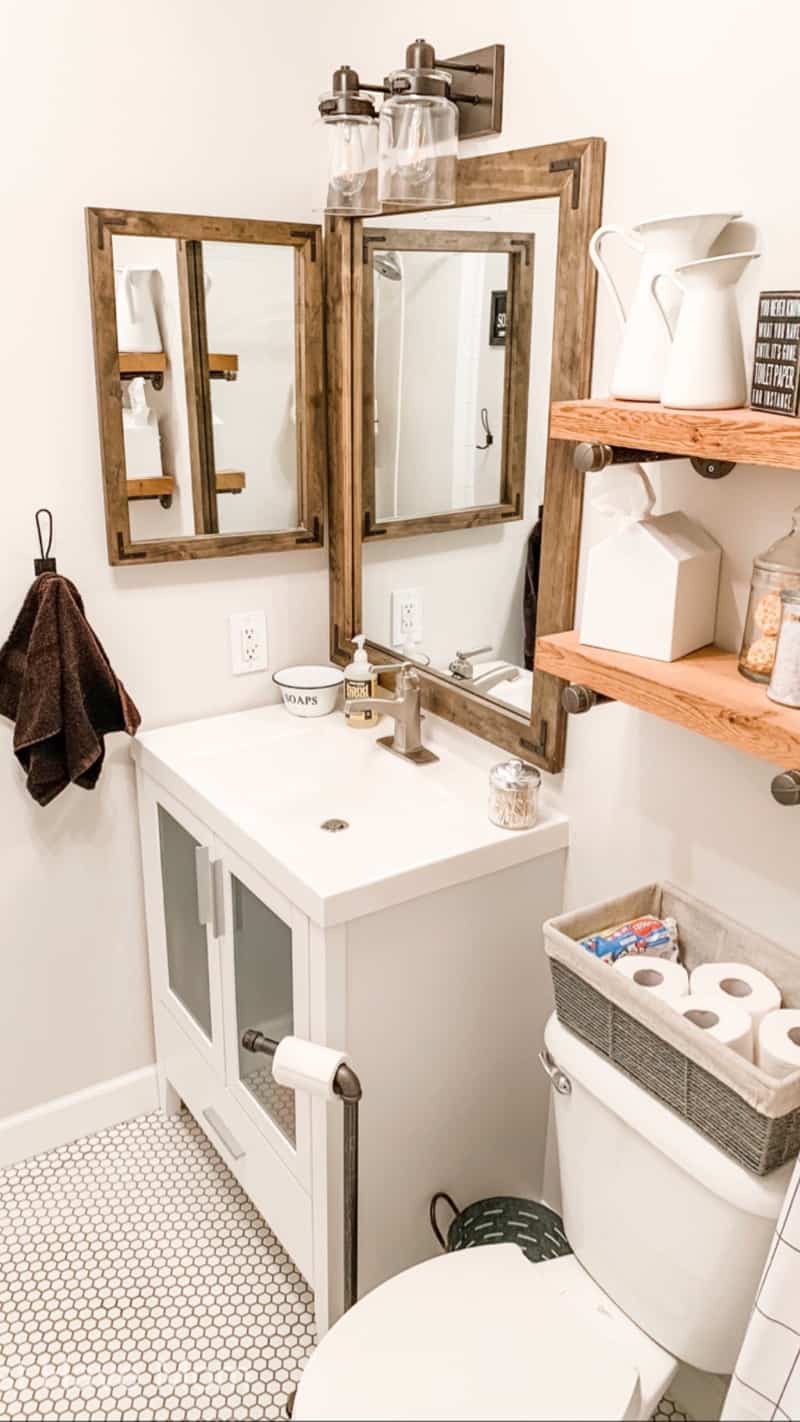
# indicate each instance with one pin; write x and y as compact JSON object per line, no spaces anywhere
{"x":56,"y":682}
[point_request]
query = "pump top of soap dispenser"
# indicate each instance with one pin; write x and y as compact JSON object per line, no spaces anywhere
{"x":360,"y":654}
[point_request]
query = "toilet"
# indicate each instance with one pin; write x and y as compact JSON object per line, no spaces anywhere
{"x":669,"y":1238}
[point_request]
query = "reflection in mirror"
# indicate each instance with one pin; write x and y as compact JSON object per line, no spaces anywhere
{"x":461,"y":600}
{"x":445,"y":355}
{"x":151,"y":364}
{"x":250,"y":302}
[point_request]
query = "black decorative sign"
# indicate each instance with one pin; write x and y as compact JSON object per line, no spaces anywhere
{"x":498,"y":321}
{"x":776,"y":369}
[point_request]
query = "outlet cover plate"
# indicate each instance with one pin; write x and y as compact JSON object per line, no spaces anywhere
{"x":248,"y":632}
{"x":406,"y":616}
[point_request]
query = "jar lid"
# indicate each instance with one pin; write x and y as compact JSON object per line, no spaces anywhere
{"x":515,"y":774}
{"x":783,"y":556}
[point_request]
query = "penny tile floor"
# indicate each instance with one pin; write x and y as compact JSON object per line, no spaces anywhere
{"x":138,"y":1281}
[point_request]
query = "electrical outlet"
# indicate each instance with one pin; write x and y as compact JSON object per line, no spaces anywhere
{"x":406,"y":616}
{"x":248,"y":642}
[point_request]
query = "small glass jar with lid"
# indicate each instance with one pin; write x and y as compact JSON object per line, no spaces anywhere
{"x":514,"y":794}
{"x":784,"y":685}
{"x":774,"y":572}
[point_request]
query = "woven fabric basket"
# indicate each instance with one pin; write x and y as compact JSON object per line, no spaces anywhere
{"x":753,"y":1117}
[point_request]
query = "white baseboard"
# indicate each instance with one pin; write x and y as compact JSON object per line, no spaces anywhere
{"x":69,"y":1117}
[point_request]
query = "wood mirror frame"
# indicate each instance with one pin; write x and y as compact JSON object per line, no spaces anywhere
{"x":189,"y":232}
{"x":519,"y":247}
{"x":573,"y":173}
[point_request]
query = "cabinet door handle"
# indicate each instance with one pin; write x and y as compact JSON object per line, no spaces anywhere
{"x":215,"y":1121}
{"x":202,"y":869}
{"x":218,"y":897}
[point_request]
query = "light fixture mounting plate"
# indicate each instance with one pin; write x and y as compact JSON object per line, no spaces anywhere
{"x":486,"y":117}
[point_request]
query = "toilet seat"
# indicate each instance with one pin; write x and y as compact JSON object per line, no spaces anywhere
{"x":483,"y":1333}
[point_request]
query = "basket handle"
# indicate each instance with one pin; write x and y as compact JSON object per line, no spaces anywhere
{"x":441,"y":1195}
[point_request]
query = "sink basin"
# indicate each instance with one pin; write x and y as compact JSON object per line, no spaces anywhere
{"x":269,"y":781}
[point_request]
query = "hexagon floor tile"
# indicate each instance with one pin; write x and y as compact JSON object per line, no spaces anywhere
{"x":138,"y":1281}
{"x":669,"y":1411}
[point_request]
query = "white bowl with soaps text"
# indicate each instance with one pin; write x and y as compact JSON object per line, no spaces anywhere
{"x":309,"y":691}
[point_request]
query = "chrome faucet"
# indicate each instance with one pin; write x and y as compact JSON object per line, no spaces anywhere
{"x":461,"y":666}
{"x":405,"y":709}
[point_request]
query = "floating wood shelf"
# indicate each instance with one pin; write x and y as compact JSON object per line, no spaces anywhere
{"x":162,"y":487}
{"x":703,"y":692}
{"x":223,"y":367}
{"x":149,"y":364}
{"x":740,"y":436}
{"x":152,"y":365}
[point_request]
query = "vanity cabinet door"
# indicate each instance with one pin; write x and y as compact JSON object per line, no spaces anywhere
{"x":182,"y":913}
{"x":265,"y":988}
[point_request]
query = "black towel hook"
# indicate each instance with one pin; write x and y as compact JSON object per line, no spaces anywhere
{"x":44,"y":563}
{"x":486,"y":430}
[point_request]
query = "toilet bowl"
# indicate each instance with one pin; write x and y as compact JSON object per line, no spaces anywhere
{"x":670,"y":1237}
{"x":485,"y":1334}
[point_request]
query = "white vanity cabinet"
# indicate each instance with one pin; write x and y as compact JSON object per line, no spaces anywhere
{"x":411,"y":939}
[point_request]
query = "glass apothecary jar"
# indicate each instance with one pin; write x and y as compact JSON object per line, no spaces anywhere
{"x":784,"y":685}
{"x":514,"y":794}
{"x":774,"y":572}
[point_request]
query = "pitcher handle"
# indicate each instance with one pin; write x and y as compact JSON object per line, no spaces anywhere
{"x":659,"y":276}
{"x":595,"y":244}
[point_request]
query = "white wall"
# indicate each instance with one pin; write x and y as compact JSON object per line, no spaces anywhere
{"x":698,"y":107}
{"x":161,"y":107}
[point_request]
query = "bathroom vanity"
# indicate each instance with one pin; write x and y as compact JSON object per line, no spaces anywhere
{"x":301,"y":880}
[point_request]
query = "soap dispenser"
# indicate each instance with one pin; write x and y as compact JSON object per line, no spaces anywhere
{"x":360,"y":683}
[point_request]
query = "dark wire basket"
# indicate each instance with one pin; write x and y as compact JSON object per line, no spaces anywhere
{"x":503,"y":1219}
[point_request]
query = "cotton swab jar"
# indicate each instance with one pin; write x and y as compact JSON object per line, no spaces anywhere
{"x":514,"y":794}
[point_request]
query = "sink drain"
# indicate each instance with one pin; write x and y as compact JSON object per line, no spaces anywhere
{"x":333,"y":826}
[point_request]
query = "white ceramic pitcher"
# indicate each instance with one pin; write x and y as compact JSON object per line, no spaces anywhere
{"x":664,"y":244}
{"x":705,"y":370}
{"x":137,"y":323}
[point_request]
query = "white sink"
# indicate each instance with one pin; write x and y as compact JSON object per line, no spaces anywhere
{"x":269,"y":780}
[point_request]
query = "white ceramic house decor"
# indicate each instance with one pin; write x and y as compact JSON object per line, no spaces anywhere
{"x":140,"y":432}
{"x":651,"y":589}
{"x":137,"y":322}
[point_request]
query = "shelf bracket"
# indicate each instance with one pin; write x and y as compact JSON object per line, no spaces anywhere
{"x":786,"y":787}
{"x":577,"y":699}
{"x":590,"y":457}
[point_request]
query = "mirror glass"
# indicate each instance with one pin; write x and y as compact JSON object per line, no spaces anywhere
{"x":206,"y":335}
{"x":249,"y":295}
{"x":442,"y":332}
{"x":439,"y":361}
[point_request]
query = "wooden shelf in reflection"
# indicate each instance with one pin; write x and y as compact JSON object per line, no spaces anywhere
{"x":162,"y":486}
{"x":151,"y":365}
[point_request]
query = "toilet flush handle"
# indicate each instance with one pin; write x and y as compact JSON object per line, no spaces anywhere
{"x":559,"y":1078}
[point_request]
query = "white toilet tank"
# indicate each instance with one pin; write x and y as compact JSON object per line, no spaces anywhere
{"x":670,"y":1227}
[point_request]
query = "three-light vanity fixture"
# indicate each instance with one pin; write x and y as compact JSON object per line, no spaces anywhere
{"x":404,"y":155}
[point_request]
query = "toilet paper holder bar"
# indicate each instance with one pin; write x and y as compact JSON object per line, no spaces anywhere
{"x":347,"y":1087}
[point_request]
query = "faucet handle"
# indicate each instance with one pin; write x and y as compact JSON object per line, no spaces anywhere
{"x":461,"y":665}
{"x":407,"y":670}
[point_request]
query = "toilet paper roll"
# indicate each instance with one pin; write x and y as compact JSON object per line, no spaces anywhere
{"x":778,"y":1046}
{"x":306,"y":1066}
{"x":718,"y":1017}
{"x":655,"y":975}
{"x":740,"y":984}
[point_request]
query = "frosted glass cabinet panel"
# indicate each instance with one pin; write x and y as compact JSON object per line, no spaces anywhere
{"x":187,"y":946}
{"x":263,"y":964}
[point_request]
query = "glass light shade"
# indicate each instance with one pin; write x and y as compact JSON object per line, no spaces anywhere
{"x":352,"y":165}
{"x":418,"y":150}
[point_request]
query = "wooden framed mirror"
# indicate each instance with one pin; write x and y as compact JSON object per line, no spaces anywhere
{"x":433,"y":594}
{"x":462,"y":302}
{"x":208,"y":338}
